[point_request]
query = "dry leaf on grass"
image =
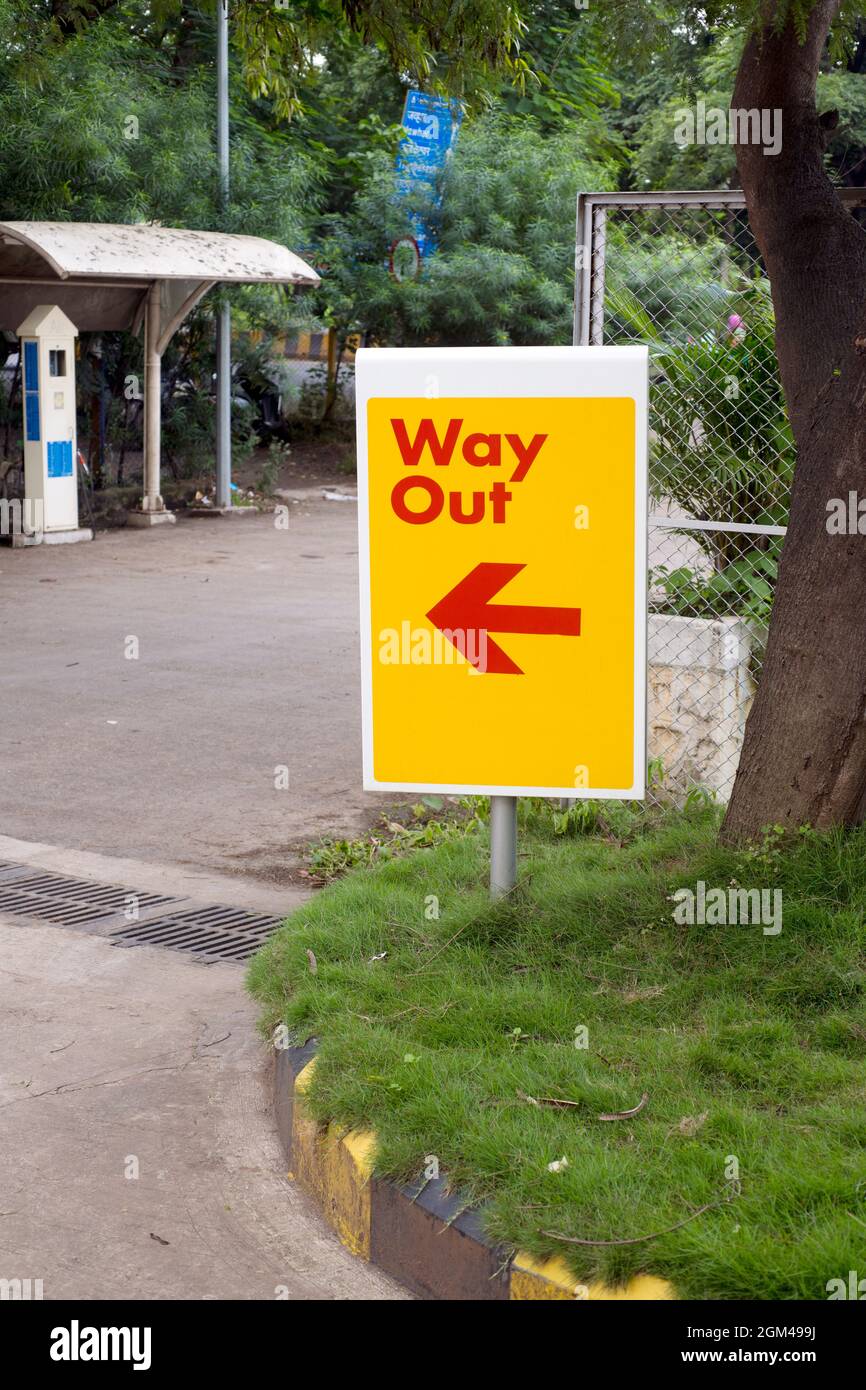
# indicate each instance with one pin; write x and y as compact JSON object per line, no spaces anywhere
{"x":635,"y":996}
{"x":690,"y":1124}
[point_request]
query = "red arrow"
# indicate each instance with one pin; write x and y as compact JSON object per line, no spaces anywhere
{"x":465,"y":613}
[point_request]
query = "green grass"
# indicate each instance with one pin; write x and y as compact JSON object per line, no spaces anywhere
{"x":747,"y":1045}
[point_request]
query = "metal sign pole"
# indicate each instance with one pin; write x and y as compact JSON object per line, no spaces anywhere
{"x":503,"y":845}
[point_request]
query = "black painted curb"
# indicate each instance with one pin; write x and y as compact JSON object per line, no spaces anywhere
{"x":430,"y":1240}
{"x":419,"y":1234}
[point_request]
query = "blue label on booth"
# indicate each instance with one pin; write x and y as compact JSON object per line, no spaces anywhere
{"x":31,"y":367}
{"x":31,"y":390}
{"x":31,"y":411}
{"x":60,"y":459}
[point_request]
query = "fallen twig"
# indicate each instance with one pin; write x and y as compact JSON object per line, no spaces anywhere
{"x":626,"y":1114}
{"x":638,"y":1240}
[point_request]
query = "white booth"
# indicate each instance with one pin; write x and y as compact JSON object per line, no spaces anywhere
{"x":113,"y":277}
{"x":50,"y":449}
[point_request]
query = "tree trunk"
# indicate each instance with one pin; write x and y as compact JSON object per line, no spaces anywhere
{"x":804,"y":755}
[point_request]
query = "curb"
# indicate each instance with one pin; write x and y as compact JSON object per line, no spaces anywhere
{"x":420,"y":1234}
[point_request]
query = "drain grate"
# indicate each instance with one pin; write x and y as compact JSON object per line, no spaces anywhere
{"x":211,"y":933}
{"x":69,"y":902}
{"x":220,"y":933}
{"x":8,"y":870}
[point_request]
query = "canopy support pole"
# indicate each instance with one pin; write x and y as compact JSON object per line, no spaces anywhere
{"x":152,"y":501}
{"x":153,"y":509}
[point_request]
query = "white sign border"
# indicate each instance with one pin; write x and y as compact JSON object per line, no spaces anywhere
{"x":571,"y":372}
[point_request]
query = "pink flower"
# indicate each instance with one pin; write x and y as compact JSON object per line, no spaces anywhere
{"x":734,"y":321}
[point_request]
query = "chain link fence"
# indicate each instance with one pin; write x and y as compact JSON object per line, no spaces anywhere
{"x":681,"y":273}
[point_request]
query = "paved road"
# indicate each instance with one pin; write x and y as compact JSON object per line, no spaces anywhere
{"x":158,"y":773}
{"x":138,"y":1157}
{"x":248,"y":661}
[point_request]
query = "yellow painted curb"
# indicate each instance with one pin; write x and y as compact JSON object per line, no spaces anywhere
{"x":335,"y":1165}
{"x":539,"y":1279}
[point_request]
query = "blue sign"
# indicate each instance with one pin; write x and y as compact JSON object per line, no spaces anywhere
{"x":31,"y":389}
{"x":431,"y":124}
{"x":60,"y":459}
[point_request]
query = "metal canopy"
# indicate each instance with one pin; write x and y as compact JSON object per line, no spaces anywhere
{"x":113,"y":276}
{"x":100,"y":274}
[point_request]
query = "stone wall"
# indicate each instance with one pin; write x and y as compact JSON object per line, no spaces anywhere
{"x":700,"y":687}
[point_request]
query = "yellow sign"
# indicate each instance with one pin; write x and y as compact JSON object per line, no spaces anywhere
{"x":503,"y":569}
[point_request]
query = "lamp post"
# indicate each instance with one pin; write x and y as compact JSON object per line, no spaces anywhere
{"x":224,"y":313}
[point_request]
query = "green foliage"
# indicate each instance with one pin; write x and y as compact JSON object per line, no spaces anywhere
{"x":106,"y":112}
{"x":504,"y":270}
{"x":745,"y":1044}
{"x":69,"y":148}
{"x":570,"y":77}
{"x":333,"y":857}
{"x":352,"y":106}
{"x":654,"y":35}
{"x":723,"y":441}
{"x":845,"y":92}
{"x":579,"y":819}
{"x":664,"y":285}
{"x":705,"y":70}
{"x":767,"y":854}
{"x":723,"y":447}
{"x":619,"y":820}
{"x":106,"y":119}
{"x":460,"y":46}
{"x":91,"y":130}
{"x":745,"y":587}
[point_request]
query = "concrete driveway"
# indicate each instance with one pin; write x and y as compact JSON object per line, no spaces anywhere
{"x":247,"y":641}
{"x":138,"y":1155}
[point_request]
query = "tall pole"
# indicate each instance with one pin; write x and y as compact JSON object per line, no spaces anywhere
{"x":152,"y":501}
{"x":503,"y":845}
{"x":224,"y":314}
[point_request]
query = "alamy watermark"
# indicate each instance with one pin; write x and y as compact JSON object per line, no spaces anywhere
{"x":729,"y":907}
{"x":423,"y":646}
{"x":713,"y":125}
{"x":77,"y":1343}
{"x":21,"y":516}
{"x":20,"y":1290}
{"x":846,"y":516}
{"x":854,"y":1288}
